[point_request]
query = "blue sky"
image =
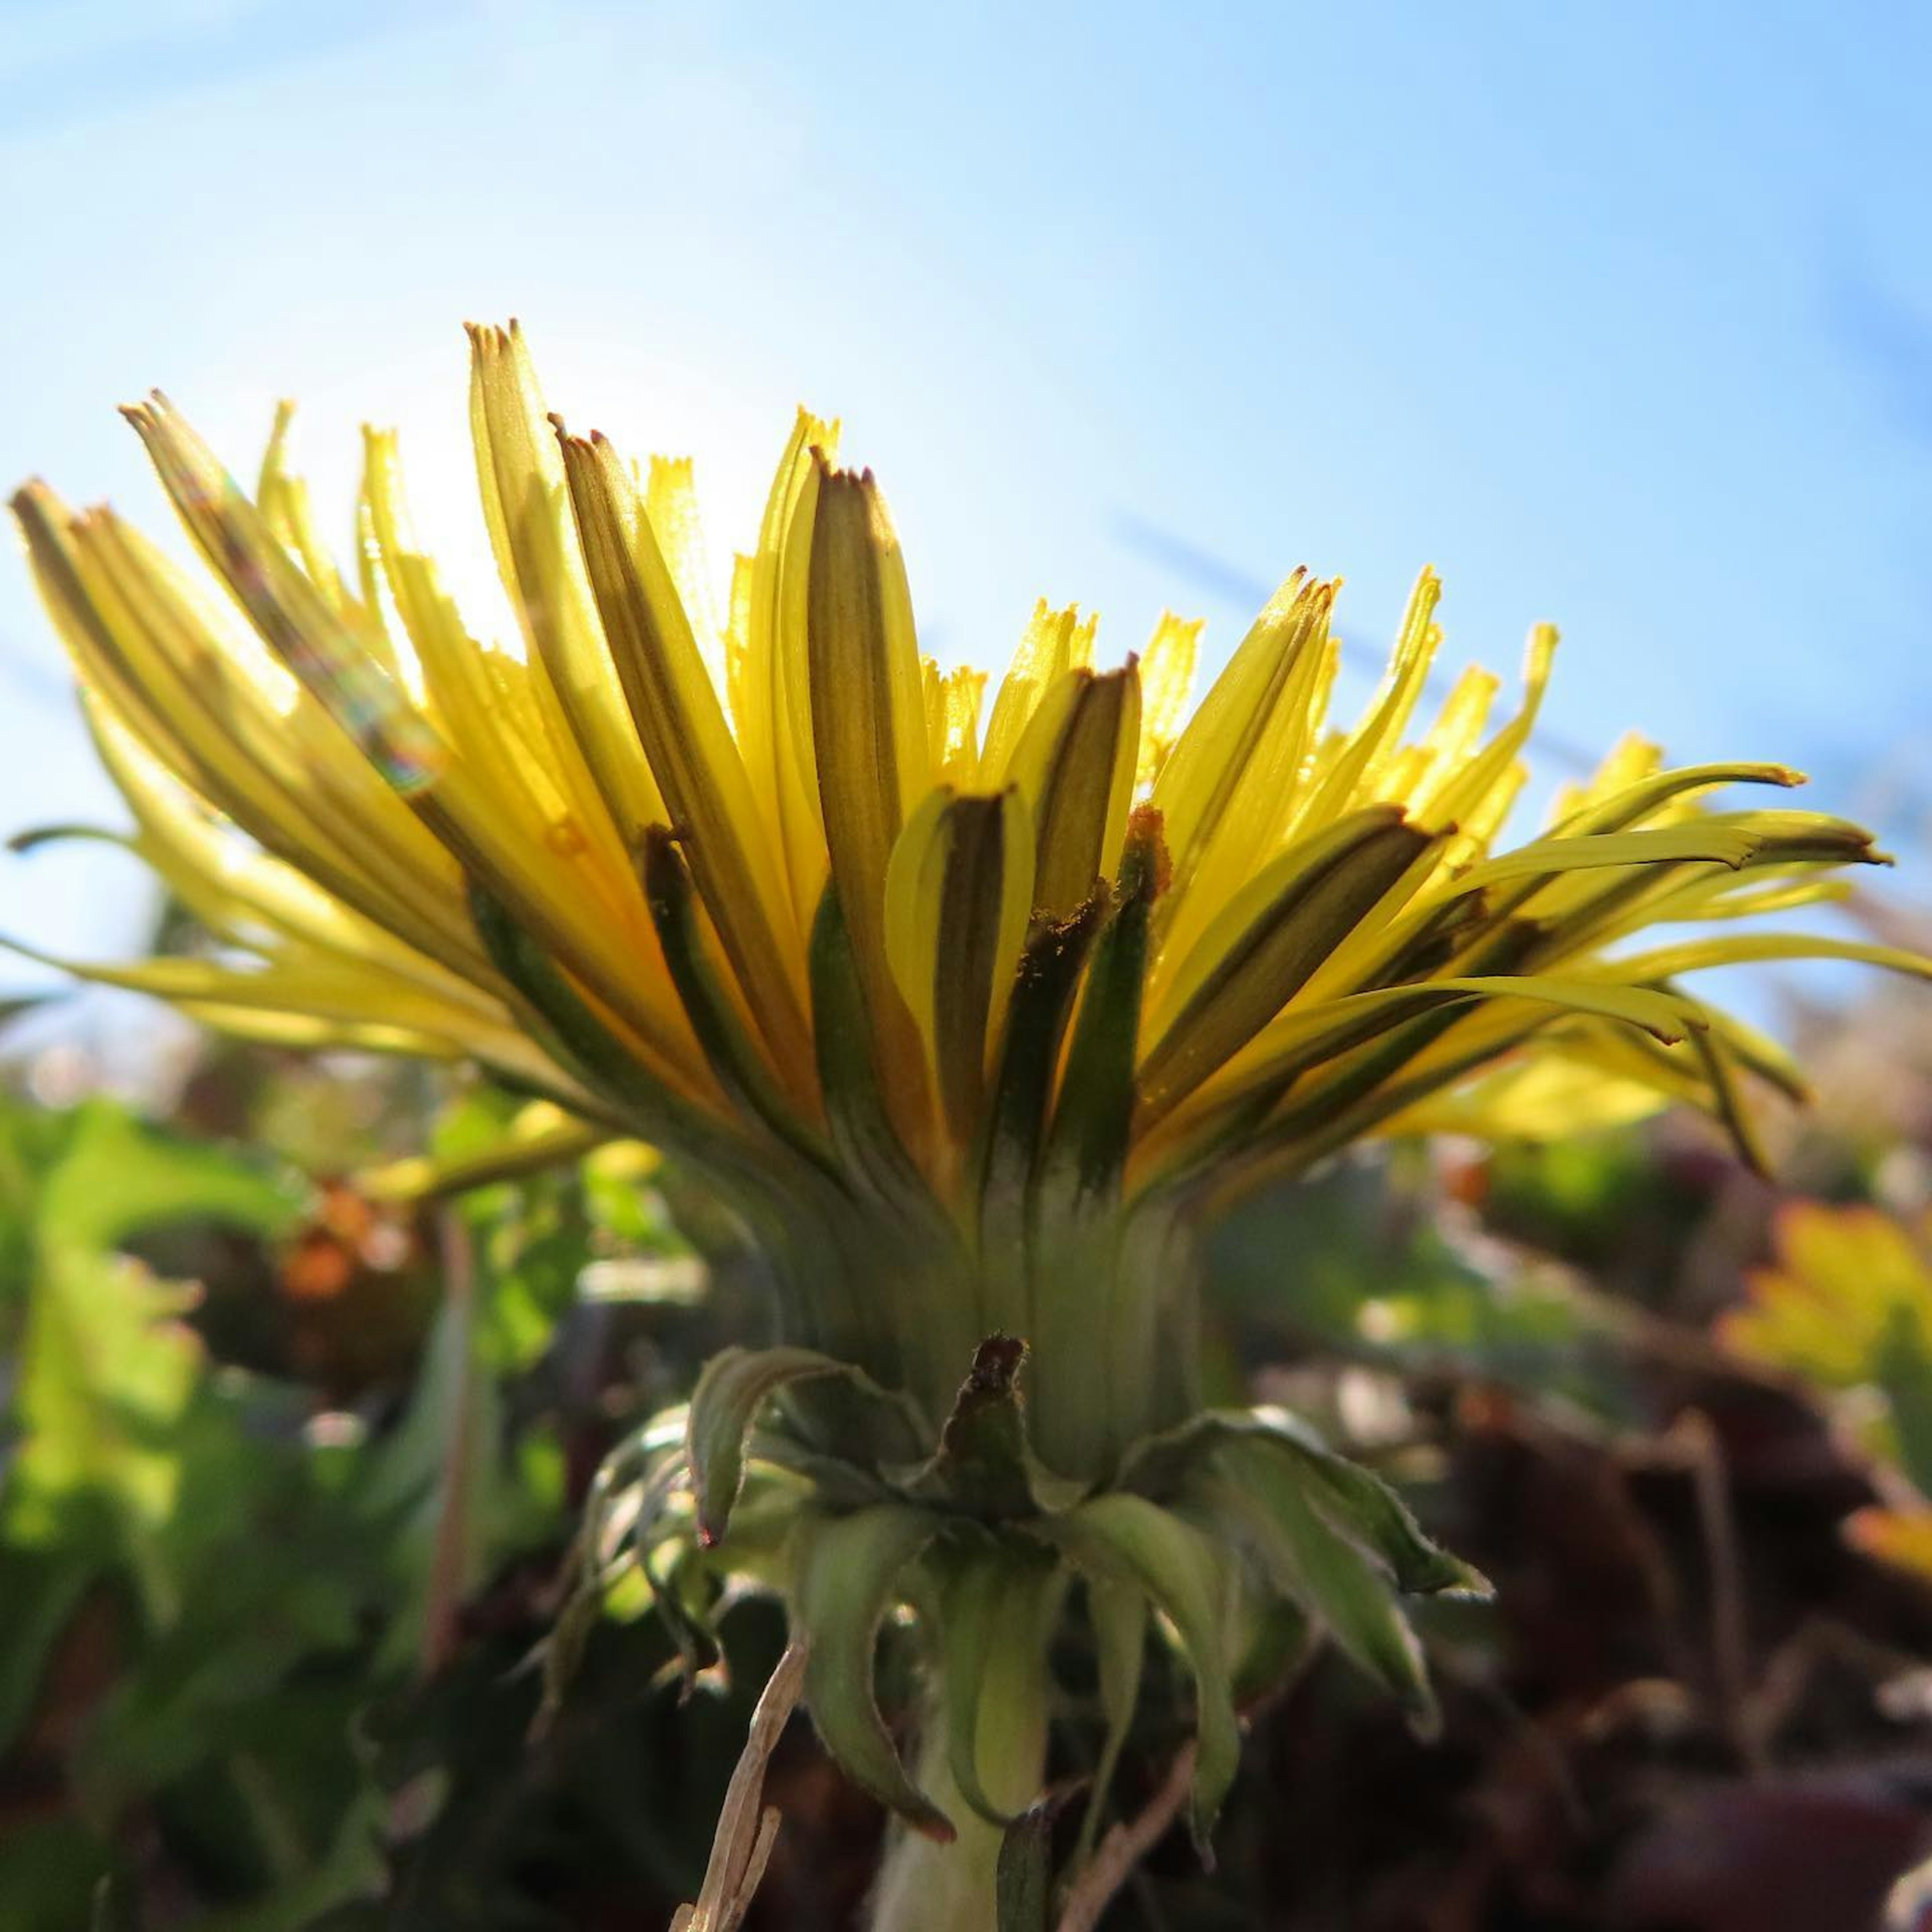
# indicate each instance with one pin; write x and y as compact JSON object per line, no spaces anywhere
{"x":1621,"y":317}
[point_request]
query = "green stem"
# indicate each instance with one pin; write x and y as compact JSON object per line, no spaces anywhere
{"x":952,"y":1888}
{"x":450,"y":1554}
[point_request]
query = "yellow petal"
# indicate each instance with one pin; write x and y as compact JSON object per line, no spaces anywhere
{"x":869,"y":736}
{"x":1074,"y":766}
{"x":324,"y":647}
{"x":961,"y":692}
{"x":520,"y":472}
{"x":772,"y":713}
{"x":1046,"y":652}
{"x":670,"y":507}
{"x":1351,"y":779}
{"x":1277,"y":932}
{"x":1667,"y":962}
{"x":958,"y":894}
{"x":1229,"y":793}
{"x":1167,"y":684}
{"x":680,"y":721}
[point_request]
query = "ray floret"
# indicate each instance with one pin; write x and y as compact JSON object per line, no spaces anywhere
{"x":975,"y":998}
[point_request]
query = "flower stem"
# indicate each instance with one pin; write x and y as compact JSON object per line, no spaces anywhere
{"x":952,"y":1888}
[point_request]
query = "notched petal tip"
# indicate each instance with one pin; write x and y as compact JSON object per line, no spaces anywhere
{"x":488,"y":341}
{"x":832,"y":475}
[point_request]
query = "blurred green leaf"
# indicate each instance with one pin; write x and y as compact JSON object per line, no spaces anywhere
{"x":1350,"y":1264}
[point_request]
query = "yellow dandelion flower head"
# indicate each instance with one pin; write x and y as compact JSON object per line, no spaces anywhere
{"x":839,"y":927}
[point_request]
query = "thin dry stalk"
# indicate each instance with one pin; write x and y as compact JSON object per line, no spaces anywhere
{"x":742,"y":1846}
{"x":1692,"y":1444}
{"x":1123,"y":1848}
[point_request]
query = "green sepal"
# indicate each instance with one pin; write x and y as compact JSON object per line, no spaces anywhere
{"x":848,"y":1566}
{"x":739,"y":1066}
{"x":1023,"y":1882}
{"x":561,"y":1654}
{"x":969,"y":1594}
{"x":562,"y":1651}
{"x":1048,"y":973}
{"x":606,"y":1066}
{"x":685,"y":1598}
{"x":1118,"y":1612}
{"x":984,"y":1466}
{"x":837,"y":1483}
{"x":994,"y":1598}
{"x":1336,"y":1581}
{"x":862,"y":1128}
{"x":1126,"y":1539}
{"x":732,"y":1388}
{"x":1273,"y":1447}
{"x":1087,"y":1147}
{"x":1276,"y":1638}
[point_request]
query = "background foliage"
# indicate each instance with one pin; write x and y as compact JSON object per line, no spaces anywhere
{"x":291,"y":1477}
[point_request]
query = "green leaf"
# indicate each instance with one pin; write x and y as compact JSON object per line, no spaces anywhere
{"x":442,"y":1458}
{"x":1127,"y":1539}
{"x":848,"y":1571}
{"x":51,"y":1872}
{"x":1902,"y":1367}
{"x":42,"y":1589}
{"x":107,"y":1371}
{"x":1277,"y":1637}
{"x":352,"y":1867}
{"x":118,"y":1177}
{"x":1290,"y":1264}
{"x":115,"y":1908}
{"x":1357,"y":1502}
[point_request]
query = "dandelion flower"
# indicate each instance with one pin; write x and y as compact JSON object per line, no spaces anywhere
{"x":975,"y":1001}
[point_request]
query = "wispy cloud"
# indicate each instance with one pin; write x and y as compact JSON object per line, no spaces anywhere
{"x":67,"y":61}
